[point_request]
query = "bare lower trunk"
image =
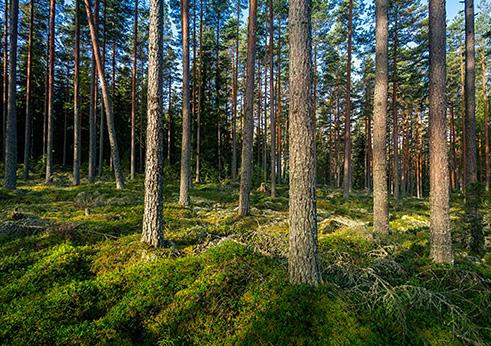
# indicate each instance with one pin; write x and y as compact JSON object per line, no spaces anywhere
{"x":77,"y":130}
{"x":380,"y":203}
{"x":200,"y":92}
{"x":153,"y":223}
{"x":184,"y":199}
{"x":246,"y":161}
{"x":441,"y":241}
{"x":272,"y":119}
{"x":51,"y":76}
{"x":133,"y":94}
{"x":118,"y":170}
{"x":10,"y":181}
{"x":27,"y":134}
{"x":303,"y":258}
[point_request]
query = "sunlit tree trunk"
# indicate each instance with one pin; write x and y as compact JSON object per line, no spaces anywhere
{"x":380,"y":203}
{"x":101,"y":123}
{"x":51,"y":76}
{"x":246,"y":159}
{"x":440,"y":237}
{"x":347,"y":110}
{"x":133,"y":93}
{"x":278,"y":111}
{"x":153,"y":223}
{"x":118,"y":169}
{"x":200,"y":92}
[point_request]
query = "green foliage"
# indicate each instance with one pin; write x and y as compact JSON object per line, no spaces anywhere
{"x":73,"y":271}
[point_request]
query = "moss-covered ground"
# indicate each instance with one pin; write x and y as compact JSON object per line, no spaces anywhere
{"x":73,"y":271}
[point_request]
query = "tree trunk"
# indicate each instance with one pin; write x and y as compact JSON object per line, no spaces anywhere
{"x":347,"y":108}
{"x":272,"y":114}
{"x":278,"y":111}
{"x":77,"y":130}
{"x":27,"y":134}
{"x":464,"y":136}
{"x":395,"y":125}
{"x":486,"y":117}
{"x":235,"y":76}
{"x":5,"y":77}
{"x":440,"y":238}
{"x":153,"y":223}
{"x":65,"y":123}
{"x":200,"y":92}
{"x":118,"y":170}
{"x":51,"y":77}
{"x":184,"y":199}
{"x":11,"y":123}
{"x":380,"y":203}
{"x":303,"y":258}
{"x":133,"y":93}
{"x":102,"y":130}
{"x":246,"y":160}
{"x":472,"y":192}
{"x":93,"y":108}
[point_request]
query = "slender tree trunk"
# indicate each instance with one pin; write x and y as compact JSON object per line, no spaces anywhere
{"x":486,"y":117}
{"x":51,"y":76}
{"x":265,"y":124}
{"x":380,"y":200}
{"x":472,"y":191}
{"x":133,"y":93}
{"x":440,"y":238}
{"x":169,"y":123}
{"x":395,"y":125}
{"x":453,"y":173}
{"x":278,"y":111}
{"x":27,"y":134}
{"x":259,"y":115}
{"x":184,"y":199}
{"x":464,"y":136}
{"x":118,"y":170}
{"x":102,"y":129}
{"x":10,"y":181}
{"x":45,"y":114}
{"x":338,"y":131}
{"x":200,"y":92}
{"x":303,"y":258}
{"x":217,"y":99}
{"x":5,"y":76}
{"x":65,"y":123}
{"x":77,"y":130}
{"x":272,"y":114}
{"x":93,"y":108}
{"x":246,"y":160}
{"x":153,"y":223}
{"x":347,"y":108}
{"x":235,"y":74}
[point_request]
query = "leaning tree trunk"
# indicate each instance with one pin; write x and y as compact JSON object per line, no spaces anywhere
{"x":303,"y":258}
{"x":133,"y":94}
{"x":246,"y":161}
{"x":51,"y":77}
{"x":472,"y":189}
{"x":11,"y":124}
{"x":77,"y":129}
{"x":440,"y":237}
{"x":27,"y":134}
{"x":380,"y":203}
{"x":118,"y":169}
{"x":347,"y":119}
{"x":186,"y":110}
{"x":153,"y":223}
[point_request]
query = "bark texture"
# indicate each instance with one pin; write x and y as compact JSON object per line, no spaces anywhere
{"x":247,"y":141}
{"x":440,"y":236}
{"x":185,"y":183}
{"x":153,"y":230}
{"x":380,"y":203}
{"x":303,"y":258}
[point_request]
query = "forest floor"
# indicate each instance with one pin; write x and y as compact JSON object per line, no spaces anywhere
{"x":73,"y":271}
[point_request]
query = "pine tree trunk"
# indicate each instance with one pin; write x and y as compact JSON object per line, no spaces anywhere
{"x":303,"y":258}
{"x":272,"y":114}
{"x":5,"y":77}
{"x":235,"y":75}
{"x":347,"y":108}
{"x":486,"y":117}
{"x":200,"y":92}
{"x":440,"y":238}
{"x":77,"y":129}
{"x":184,"y":199}
{"x":278,"y":111}
{"x":133,"y":93}
{"x":472,"y":189}
{"x":395,"y":125}
{"x":246,"y":160}
{"x":27,"y":134}
{"x":11,"y":123}
{"x":153,"y":223}
{"x":93,"y":108}
{"x":118,"y":170}
{"x":453,"y":173}
{"x":380,"y":203}
{"x":51,"y":76}
{"x":102,"y":129}
{"x":65,"y":123}
{"x":464,"y":136}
